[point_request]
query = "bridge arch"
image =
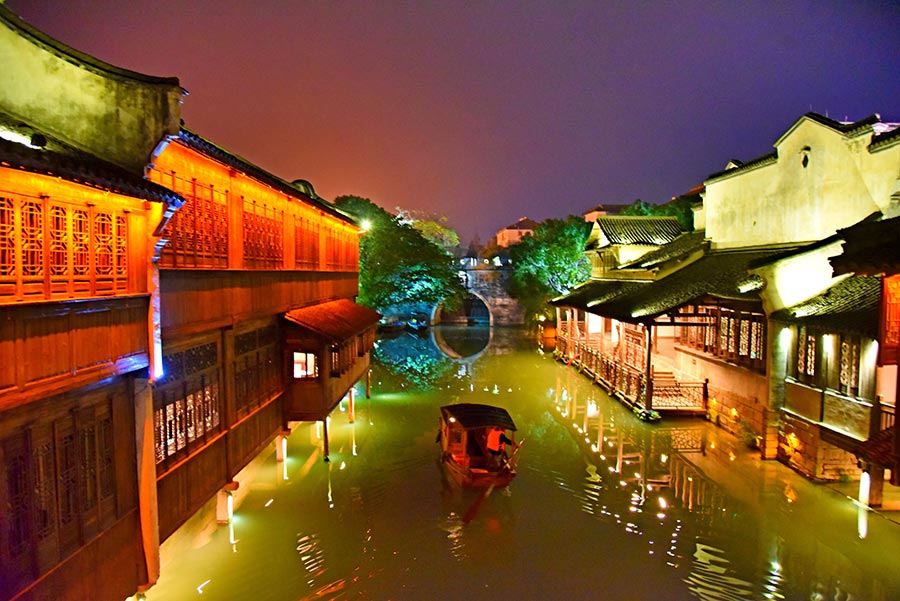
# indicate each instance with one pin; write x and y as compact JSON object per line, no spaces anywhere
{"x":462,"y":316}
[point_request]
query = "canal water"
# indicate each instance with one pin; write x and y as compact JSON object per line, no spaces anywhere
{"x":604,"y":506}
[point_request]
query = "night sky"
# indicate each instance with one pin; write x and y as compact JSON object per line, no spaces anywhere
{"x":485,"y":112}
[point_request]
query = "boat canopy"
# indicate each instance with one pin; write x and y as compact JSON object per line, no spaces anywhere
{"x":474,"y":415}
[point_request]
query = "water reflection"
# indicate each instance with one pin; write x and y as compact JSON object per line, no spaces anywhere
{"x":604,"y":507}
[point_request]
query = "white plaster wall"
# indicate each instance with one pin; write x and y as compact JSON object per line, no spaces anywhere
{"x":107,"y":113}
{"x":798,"y":278}
{"x":783,"y":202}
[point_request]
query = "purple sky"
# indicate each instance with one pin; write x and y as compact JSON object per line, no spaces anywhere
{"x":487,"y":111}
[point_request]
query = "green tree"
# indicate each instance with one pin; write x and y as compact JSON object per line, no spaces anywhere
{"x":680,"y":207}
{"x":434,"y":228}
{"x":549,"y":263}
{"x":398,"y":267}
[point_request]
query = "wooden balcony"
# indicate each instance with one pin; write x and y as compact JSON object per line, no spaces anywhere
{"x":669,"y":394}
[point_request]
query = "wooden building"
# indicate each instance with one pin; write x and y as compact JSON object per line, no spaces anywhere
{"x":147,"y":282}
{"x":783,"y":332}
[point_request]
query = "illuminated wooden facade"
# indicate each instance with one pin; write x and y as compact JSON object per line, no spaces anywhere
{"x":75,"y":242}
{"x":244,"y":250}
{"x":145,"y":276}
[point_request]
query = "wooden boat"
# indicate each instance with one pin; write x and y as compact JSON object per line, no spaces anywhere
{"x":463,"y":438}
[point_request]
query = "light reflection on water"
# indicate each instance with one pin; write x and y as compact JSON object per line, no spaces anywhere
{"x":604,"y":506}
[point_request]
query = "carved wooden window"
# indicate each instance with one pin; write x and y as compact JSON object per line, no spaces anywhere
{"x":52,"y":249}
{"x":736,"y":336}
{"x":256,"y":373}
{"x":103,"y":252}
{"x":60,"y":478}
{"x":18,"y":494}
{"x":45,"y":490}
{"x":59,"y":243}
{"x":186,"y":401}
{"x":306,"y":243}
{"x":263,"y":228}
{"x":197,"y":233}
{"x":341,"y":250}
{"x":849,"y":365}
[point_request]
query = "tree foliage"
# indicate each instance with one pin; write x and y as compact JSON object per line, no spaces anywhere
{"x":680,"y":207}
{"x":398,"y":266}
{"x":549,"y":263}
{"x":434,"y":228}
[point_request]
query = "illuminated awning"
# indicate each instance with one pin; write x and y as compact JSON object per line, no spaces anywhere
{"x":851,"y":306}
{"x":717,"y":278}
{"x":336,"y":321}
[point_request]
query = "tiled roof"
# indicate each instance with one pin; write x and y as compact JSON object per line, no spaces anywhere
{"x":624,"y":230}
{"x":302,"y":191}
{"x":884,"y":139}
{"x":741,"y":166}
{"x":57,"y":159}
{"x":595,"y":292}
{"x":719,"y":275}
{"x":682,"y":246}
{"x":851,"y":306}
{"x":336,"y":321}
{"x":870,"y":247}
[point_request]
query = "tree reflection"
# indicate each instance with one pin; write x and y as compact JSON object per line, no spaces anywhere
{"x":413,"y":361}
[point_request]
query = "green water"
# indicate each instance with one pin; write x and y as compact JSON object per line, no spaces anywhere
{"x":604,"y":506}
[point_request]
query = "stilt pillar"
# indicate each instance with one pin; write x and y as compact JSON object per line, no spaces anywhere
{"x":225,"y":502}
{"x":351,"y":409}
{"x":281,"y":445}
{"x":325,"y":438}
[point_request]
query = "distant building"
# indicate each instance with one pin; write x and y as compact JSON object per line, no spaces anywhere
{"x":511,"y":234}
{"x":603,"y":210}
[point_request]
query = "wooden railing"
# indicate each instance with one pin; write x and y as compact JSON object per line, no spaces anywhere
{"x":629,"y":384}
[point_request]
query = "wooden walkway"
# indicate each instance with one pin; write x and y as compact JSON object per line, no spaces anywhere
{"x":668,"y":394}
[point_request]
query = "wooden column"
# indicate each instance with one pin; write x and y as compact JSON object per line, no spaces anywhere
{"x":648,"y":368}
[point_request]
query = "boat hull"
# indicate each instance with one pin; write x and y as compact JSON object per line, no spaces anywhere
{"x":476,"y":477}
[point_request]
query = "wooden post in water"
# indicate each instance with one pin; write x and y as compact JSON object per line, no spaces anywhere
{"x":648,"y":370}
{"x":325,"y":436}
{"x":351,"y":409}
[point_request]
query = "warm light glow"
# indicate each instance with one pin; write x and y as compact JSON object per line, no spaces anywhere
{"x":864,"y":484}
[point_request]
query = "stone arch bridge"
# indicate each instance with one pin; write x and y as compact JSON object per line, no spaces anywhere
{"x":488,"y":302}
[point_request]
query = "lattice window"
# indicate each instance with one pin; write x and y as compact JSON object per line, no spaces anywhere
{"x":810,"y":355}
{"x":263,"y":228}
{"x":7,"y":238}
{"x":186,"y":406}
{"x":81,"y":245}
{"x":849,"y":367}
{"x":88,"y":480}
{"x":17,"y":503}
{"x":68,"y":480}
{"x":744,"y":345}
{"x":121,"y":251}
{"x":106,"y":456}
{"x":306,"y":243}
{"x":758,"y":340}
{"x":198,"y":232}
{"x":59,"y":242}
{"x":32,"y":236}
{"x":45,"y":491}
{"x":256,"y":372}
